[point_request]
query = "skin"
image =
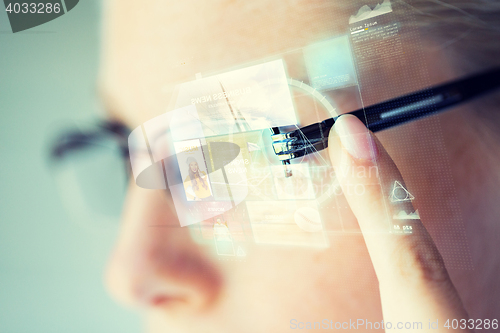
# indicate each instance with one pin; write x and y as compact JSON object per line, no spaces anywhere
{"x":183,"y":287}
{"x":193,"y":166}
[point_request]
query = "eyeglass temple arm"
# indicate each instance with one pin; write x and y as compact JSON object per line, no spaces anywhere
{"x":427,"y":102}
{"x":388,"y":114}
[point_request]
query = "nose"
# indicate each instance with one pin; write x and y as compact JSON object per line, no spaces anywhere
{"x":155,"y":263}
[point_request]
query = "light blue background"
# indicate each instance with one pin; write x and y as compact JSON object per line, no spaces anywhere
{"x":51,"y":268}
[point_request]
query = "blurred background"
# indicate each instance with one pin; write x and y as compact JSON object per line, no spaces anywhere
{"x":52,"y":257}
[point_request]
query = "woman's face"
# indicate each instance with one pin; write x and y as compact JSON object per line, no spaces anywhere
{"x":193,"y":166}
{"x":182,"y":285}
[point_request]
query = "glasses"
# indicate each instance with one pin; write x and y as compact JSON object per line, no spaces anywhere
{"x":91,"y":168}
{"x":398,"y":111}
{"x":87,"y":158}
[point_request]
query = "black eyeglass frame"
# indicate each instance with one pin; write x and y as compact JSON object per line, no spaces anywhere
{"x":312,"y":138}
{"x":71,"y":141}
{"x":397,"y":111}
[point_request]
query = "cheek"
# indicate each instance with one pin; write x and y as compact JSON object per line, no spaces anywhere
{"x":155,"y":263}
{"x":277,"y":285}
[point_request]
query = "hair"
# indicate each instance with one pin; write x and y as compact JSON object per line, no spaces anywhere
{"x":467,"y":32}
{"x":466,"y":28}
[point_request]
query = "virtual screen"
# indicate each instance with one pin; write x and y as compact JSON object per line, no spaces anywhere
{"x":213,"y":151}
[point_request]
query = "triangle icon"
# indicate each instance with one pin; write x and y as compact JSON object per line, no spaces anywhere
{"x":399,"y":193}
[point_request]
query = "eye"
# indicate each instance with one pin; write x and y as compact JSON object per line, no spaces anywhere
{"x":91,"y":166}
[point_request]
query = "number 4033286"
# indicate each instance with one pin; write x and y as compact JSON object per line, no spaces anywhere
{"x":474,"y":324}
{"x":33,"y":8}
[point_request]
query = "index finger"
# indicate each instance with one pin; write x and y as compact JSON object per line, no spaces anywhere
{"x":413,"y":280}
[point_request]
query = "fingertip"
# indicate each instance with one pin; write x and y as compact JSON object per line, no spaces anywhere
{"x":334,"y":146}
{"x":355,"y":137}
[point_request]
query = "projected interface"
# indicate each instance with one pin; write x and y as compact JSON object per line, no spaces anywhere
{"x":217,"y":157}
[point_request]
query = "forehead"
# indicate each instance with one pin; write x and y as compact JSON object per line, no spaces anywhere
{"x":148,"y":48}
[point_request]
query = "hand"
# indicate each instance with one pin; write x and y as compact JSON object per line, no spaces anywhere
{"x":413,"y":281}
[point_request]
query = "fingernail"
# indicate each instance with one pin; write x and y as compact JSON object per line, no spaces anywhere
{"x":356,"y":138}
